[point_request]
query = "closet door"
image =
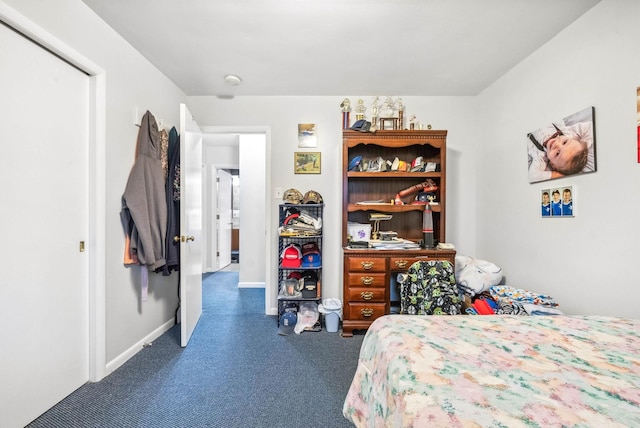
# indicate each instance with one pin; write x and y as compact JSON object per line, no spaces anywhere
{"x":44,"y":277}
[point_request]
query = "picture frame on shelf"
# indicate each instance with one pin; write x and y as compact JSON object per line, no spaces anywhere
{"x":307,"y":162}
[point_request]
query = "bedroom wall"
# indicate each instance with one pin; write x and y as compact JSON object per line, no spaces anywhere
{"x":131,"y":81}
{"x":588,"y":263}
{"x":282,"y":115}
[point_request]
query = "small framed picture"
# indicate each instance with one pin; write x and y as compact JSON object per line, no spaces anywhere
{"x":306,"y":162}
{"x":307,"y":135}
{"x":557,"y":202}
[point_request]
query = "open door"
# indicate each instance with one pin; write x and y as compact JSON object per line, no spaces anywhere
{"x":224,"y":218}
{"x":190,"y":224}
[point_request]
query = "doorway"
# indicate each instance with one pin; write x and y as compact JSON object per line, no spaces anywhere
{"x":248,"y":151}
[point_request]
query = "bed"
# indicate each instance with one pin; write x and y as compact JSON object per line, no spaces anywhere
{"x":497,"y":371}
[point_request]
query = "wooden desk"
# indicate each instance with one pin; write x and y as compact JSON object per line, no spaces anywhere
{"x":367,"y":279}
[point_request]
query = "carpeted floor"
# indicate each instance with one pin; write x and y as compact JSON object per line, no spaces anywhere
{"x":235,"y":372}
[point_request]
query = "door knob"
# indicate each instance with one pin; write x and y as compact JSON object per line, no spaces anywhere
{"x":183,"y":238}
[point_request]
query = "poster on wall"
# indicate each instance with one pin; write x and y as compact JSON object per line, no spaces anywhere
{"x":557,"y":202}
{"x":563,"y":147}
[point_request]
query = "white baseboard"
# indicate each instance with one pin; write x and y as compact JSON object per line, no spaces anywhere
{"x":251,"y":284}
{"x":126,"y":355}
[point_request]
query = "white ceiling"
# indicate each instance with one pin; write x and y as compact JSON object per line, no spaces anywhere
{"x":337,"y":47}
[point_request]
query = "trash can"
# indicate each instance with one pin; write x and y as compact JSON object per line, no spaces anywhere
{"x":332,"y":310}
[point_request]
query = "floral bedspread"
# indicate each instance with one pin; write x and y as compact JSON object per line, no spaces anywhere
{"x":497,"y":371}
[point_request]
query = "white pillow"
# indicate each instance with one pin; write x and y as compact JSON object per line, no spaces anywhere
{"x":475,"y":276}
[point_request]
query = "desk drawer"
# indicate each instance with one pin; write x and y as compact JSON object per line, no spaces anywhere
{"x":362,"y":294}
{"x":366,"y":264}
{"x":365,"y":279}
{"x":365,"y":311}
{"x":403,"y":263}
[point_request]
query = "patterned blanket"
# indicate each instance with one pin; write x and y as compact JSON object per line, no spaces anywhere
{"x":497,"y":371}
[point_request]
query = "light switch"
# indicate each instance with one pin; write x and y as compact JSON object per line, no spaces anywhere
{"x":278,"y":192}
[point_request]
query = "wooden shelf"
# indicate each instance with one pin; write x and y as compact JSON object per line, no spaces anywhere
{"x":389,"y":208}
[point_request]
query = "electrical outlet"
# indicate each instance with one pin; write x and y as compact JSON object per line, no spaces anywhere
{"x":278,"y":192}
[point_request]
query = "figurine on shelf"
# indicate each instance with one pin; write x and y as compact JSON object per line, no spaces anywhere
{"x":360,"y":109}
{"x":374,"y":113}
{"x":400,"y":114}
{"x":412,"y":122}
{"x":345,"y":106}
{"x":390,"y":104}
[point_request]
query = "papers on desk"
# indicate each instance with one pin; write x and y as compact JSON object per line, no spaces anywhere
{"x":395,"y":244}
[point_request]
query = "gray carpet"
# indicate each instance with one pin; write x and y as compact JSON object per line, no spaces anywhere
{"x":236,"y":372}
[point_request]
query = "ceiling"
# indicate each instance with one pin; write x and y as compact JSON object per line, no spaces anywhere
{"x":337,"y":47}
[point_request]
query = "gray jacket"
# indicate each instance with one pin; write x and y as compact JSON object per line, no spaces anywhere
{"x":144,"y":204}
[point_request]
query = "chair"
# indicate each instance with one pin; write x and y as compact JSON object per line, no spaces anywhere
{"x":429,"y":288}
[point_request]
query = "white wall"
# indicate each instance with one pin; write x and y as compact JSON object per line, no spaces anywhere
{"x":588,"y":263}
{"x":131,"y":81}
{"x":282,"y":115}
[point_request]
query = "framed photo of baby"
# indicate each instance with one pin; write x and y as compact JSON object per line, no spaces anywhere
{"x":563,"y":147}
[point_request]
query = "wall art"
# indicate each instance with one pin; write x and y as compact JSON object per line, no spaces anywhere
{"x":307,"y":135}
{"x":563,"y":147}
{"x":557,"y":202}
{"x":306,"y":162}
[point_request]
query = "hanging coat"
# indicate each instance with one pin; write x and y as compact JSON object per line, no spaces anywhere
{"x":173,"y":204}
{"x":144,"y":206}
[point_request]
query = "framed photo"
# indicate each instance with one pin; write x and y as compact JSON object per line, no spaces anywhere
{"x":557,"y":202}
{"x":563,"y":147}
{"x":306,"y":162}
{"x":307,"y":135}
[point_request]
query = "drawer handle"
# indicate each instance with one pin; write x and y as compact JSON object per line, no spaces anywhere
{"x":367,"y":280}
{"x":401,"y":264}
{"x":366,"y":265}
{"x":366,"y":295}
{"x":366,"y":312}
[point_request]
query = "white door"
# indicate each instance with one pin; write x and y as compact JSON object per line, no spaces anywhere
{"x":190,"y":224}
{"x":224,"y":218}
{"x":44,"y":341}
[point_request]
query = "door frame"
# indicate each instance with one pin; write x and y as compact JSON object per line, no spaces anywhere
{"x":270,"y":300}
{"x":97,"y":179}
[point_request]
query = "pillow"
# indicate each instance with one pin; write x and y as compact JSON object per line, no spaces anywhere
{"x":475,"y":276}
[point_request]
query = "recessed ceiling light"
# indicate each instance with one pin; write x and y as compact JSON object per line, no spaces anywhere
{"x":232,"y":80}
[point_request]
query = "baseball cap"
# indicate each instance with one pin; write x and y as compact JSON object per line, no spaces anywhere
{"x":422,"y":198}
{"x":354,"y":164}
{"x":361,"y":125}
{"x":289,"y":215}
{"x":310,"y":248}
{"x":309,"y":284}
{"x":311,"y":260}
{"x":295,"y":275}
{"x":292,"y":196}
{"x":290,"y":287}
{"x":312,"y":197}
{"x":291,"y":256}
{"x":417,"y":164}
{"x":288,"y":321}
